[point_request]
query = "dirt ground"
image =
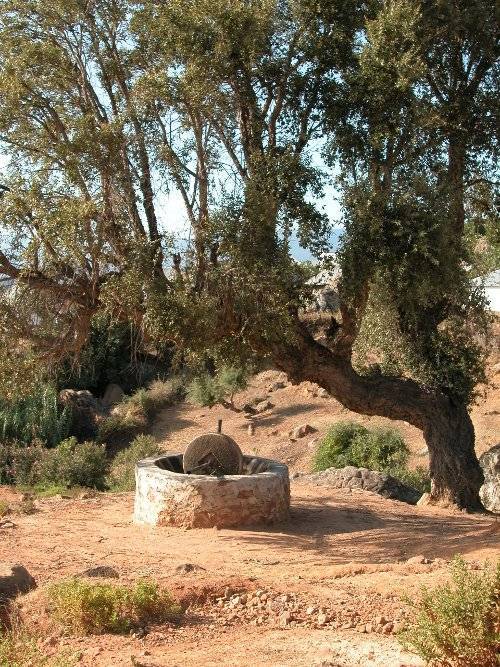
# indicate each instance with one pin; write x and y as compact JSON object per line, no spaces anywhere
{"x":355,"y":555}
{"x":340,"y":552}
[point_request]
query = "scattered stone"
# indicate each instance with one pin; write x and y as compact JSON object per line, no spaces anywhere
{"x":275,"y":386}
{"x":301,"y":431}
{"x":322,"y":393}
{"x":251,"y":429}
{"x":425,"y":499}
{"x":490,"y":491}
{"x":285,"y":619}
{"x":14,"y":579}
{"x":263,"y":406}
{"x":388,"y":628}
{"x":7,"y":523}
{"x":364,"y":479}
{"x":104,"y":571}
{"x":418,"y":560}
{"x":113,"y":394}
{"x":321,"y":620}
{"x":185,"y":568}
{"x":423,"y":452}
{"x":87,"y":411}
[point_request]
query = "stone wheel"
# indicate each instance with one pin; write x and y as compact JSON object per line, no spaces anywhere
{"x":212,"y":454}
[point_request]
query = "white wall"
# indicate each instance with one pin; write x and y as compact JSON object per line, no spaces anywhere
{"x":493,"y":296}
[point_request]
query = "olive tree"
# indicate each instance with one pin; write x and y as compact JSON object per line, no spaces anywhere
{"x":104,"y":105}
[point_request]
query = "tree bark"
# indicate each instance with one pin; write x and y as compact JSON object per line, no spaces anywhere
{"x":446,"y":426}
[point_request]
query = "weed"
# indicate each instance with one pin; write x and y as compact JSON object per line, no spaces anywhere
{"x":122,"y":476}
{"x":88,"y":608}
{"x":458,"y":624}
{"x":75,"y":464}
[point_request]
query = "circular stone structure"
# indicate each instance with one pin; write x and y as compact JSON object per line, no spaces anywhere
{"x":166,"y":496}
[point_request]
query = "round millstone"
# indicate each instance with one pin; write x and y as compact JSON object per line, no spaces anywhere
{"x":212,"y":454}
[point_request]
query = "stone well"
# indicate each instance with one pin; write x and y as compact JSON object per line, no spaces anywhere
{"x":166,"y":496}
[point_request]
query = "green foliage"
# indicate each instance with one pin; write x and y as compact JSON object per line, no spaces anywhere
{"x":74,"y":464}
{"x":458,"y":624}
{"x":205,"y":390}
{"x":122,"y":474}
{"x":350,"y":444}
{"x":418,"y":478}
{"x":20,"y":464}
{"x":21,"y":648}
{"x":69,"y":464}
{"x":85,"y":607}
{"x":35,"y":417}
{"x":209,"y":390}
{"x":113,"y":353}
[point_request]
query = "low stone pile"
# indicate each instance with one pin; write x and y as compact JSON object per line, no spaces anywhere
{"x":351,"y":477}
{"x":288,"y":610}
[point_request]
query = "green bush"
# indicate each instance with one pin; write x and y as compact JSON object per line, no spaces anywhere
{"x":113,"y":353}
{"x":205,"y":390}
{"x":84,"y":607}
{"x":384,"y":449}
{"x":20,"y":464}
{"x":418,"y":478}
{"x":122,"y":475}
{"x":75,"y":464}
{"x":350,"y":444}
{"x":458,"y":624}
{"x":208,"y":390}
{"x":35,"y":417}
{"x":20,"y":648}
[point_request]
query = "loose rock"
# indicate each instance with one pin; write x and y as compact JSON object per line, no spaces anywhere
{"x":14,"y":579}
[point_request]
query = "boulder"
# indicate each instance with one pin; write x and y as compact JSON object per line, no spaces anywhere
{"x":351,"y":477}
{"x":275,"y":386}
{"x":14,"y":579}
{"x":490,"y":491}
{"x":87,"y":410}
{"x":263,"y":406}
{"x":301,"y":431}
{"x":113,"y":394}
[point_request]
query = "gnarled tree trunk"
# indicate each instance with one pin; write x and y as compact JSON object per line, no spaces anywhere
{"x":447,"y":427}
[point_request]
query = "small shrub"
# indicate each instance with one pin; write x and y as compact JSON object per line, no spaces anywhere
{"x":458,"y":624}
{"x":163,"y":393}
{"x":208,"y":390}
{"x":351,"y":444}
{"x":418,"y":478}
{"x":133,"y":415}
{"x":122,"y":476}
{"x":89,"y":608}
{"x":4,"y":508}
{"x":20,"y":464}
{"x":20,"y":648}
{"x":334,"y":450}
{"x":75,"y":464}
{"x":119,"y":428}
{"x":205,"y":390}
